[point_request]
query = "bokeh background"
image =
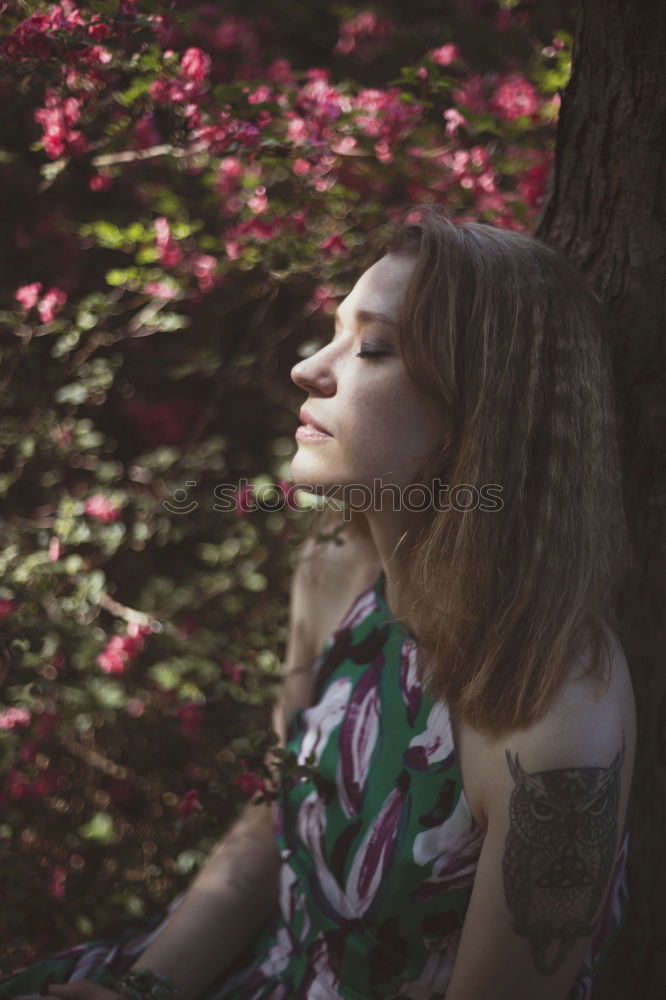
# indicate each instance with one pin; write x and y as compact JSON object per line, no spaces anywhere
{"x":187,"y":190}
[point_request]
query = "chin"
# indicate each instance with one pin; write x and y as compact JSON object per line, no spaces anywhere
{"x":304,"y":472}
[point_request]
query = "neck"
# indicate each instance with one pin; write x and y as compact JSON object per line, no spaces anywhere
{"x":386,"y":529}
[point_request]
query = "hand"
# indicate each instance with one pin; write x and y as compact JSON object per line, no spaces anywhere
{"x":82,"y":989}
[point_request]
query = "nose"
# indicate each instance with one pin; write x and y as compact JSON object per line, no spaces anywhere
{"x":314,"y":374}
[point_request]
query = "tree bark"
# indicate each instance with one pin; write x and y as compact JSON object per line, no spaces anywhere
{"x":606,"y":210}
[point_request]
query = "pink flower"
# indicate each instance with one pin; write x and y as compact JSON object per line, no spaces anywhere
{"x":57,"y":118}
{"x":51,"y":304}
{"x":170,"y":253}
{"x":145,"y":132}
{"x":47,"y":721}
{"x":514,"y":97}
{"x":234,"y":671}
{"x":57,"y":880}
{"x":453,"y":120}
{"x":471,"y":94}
{"x":333,"y":245}
{"x":114,"y":658}
{"x":383,"y":152}
{"x":323,"y":298}
{"x":258,"y":202}
{"x":229,"y":171}
{"x":160,"y":290}
{"x":362,"y":34}
{"x":190,"y":719}
{"x":204,"y":270}
{"x":190,"y":803}
{"x":28,"y":295}
{"x":248,"y":782}
{"x":97,"y":53}
{"x":13,"y":717}
{"x":6,"y":608}
{"x":55,"y":550}
{"x":383,"y":115}
{"x":100,"y":182}
{"x":135,"y":707}
{"x":195,"y":64}
{"x":101,"y":507}
{"x":29,"y":751}
{"x":260,"y":95}
{"x":134,"y":637}
{"x":98,"y":32}
{"x":532,"y":183}
{"x":506,"y":17}
{"x":297,"y":129}
{"x":444,"y":55}
{"x":279,"y":71}
{"x":45,"y":784}
{"x":122,"y":648}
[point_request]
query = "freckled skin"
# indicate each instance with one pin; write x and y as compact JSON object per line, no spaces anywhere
{"x":382,"y":424}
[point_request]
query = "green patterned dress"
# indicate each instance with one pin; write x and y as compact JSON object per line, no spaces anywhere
{"x":378,"y":856}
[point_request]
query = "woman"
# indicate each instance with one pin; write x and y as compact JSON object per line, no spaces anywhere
{"x":470,"y":707}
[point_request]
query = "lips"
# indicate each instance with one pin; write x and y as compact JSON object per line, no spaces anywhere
{"x":307,"y":419}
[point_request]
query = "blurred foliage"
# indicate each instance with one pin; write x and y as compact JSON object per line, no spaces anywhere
{"x":188,"y":188}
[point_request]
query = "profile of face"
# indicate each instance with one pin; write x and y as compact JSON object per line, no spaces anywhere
{"x":379,"y":424}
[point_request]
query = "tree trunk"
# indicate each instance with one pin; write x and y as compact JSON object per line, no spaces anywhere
{"x":606,"y":210}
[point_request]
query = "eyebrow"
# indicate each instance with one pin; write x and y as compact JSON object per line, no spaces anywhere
{"x":369,"y":316}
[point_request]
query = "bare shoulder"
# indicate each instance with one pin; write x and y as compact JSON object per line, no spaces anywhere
{"x":327,"y":578}
{"x":588,"y":726}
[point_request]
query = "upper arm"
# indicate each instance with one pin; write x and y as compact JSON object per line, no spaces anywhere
{"x":297,"y":682}
{"x":555,"y":796}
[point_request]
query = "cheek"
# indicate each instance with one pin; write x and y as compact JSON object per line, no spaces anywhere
{"x":389,"y":425}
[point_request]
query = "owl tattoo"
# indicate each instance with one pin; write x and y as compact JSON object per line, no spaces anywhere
{"x":559,"y":854}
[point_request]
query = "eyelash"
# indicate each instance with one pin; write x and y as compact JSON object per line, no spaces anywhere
{"x":372,"y":354}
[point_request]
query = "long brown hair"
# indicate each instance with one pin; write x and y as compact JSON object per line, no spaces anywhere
{"x":503,"y":332}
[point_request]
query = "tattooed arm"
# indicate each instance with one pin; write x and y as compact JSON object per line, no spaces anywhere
{"x":553,"y":799}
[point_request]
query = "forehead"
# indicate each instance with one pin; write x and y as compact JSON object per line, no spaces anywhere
{"x":381,"y":287}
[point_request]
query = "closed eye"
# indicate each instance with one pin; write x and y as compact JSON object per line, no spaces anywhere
{"x":363,"y":353}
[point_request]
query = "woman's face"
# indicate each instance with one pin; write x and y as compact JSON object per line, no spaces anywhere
{"x":379,"y":424}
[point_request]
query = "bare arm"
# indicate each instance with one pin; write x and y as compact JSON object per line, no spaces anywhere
{"x":555,"y":796}
{"x":237,"y":888}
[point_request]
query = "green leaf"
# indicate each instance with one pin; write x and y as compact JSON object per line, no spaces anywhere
{"x":168,"y":322}
{"x":74,"y":393}
{"x":99,"y":828}
{"x":166,"y":675}
{"x":107,"y":234}
{"x":140,"y":86}
{"x":119,"y":277}
{"x":109,"y":694}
